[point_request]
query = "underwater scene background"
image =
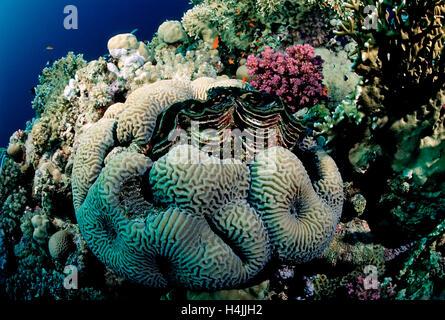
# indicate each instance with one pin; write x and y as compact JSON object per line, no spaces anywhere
{"x":222,"y":150}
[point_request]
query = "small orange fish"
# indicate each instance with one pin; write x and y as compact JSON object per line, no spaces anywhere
{"x":237,"y":11}
{"x":231,"y":61}
{"x":297,"y":21}
{"x":237,"y":33}
{"x":252,"y":19}
{"x":49,"y":48}
{"x":325,"y":4}
{"x":336,"y":7}
{"x":233,"y":76}
{"x":215,"y":43}
{"x":252,"y":25}
{"x":244,"y":80}
{"x":325,"y":91}
{"x":243,"y":54}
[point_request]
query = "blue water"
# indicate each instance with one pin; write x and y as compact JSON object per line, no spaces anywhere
{"x":28,"y":27}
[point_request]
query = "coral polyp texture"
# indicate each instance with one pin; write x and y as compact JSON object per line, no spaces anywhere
{"x":209,"y":223}
{"x":295,"y":76}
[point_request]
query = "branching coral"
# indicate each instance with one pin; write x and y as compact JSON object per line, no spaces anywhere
{"x":424,"y":268}
{"x":294,"y":76}
{"x":337,"y":6}
{"x":411,"y":207}
{"x":37,"y":278}
{"x":240,"y":23}
{"x":407,"y":33}
{"x":54,"y":79}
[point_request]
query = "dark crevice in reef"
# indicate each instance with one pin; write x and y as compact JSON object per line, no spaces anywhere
{"x":164,"y":266}
{"x":120,"y":96}
{"x":146,"y":190}
{"x":62,"y":205}
{"x":237,"y":251}
{"x":308,"y":160}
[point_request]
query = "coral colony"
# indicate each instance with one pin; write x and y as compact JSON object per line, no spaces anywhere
{"x":273,"y":149}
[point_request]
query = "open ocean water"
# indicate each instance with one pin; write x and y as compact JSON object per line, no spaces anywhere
{"x":27,"y":28}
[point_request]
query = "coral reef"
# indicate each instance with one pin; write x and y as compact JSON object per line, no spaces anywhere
{"x":389,"y":96}
{"x":205,"y":161}
{"x":53,"y":81}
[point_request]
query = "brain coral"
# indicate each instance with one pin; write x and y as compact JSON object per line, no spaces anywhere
{"x":191,"y":219}
{"x":60,"y":244}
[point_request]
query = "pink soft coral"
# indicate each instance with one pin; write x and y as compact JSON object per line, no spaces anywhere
{"x":295,"y":76}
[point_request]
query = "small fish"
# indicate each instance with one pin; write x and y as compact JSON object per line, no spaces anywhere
{"x":134,"y":31}
{"x":297,"y":21}
{"x":325,"y":91}
{"x":336,"y":7}
{"x":252,"y":19}
{"x":243,"y":54}
{"x":252,"y":25}
{"x":237,"y":11}
{"x":237,"y":33}
{"x":215,"y":43}
{"x":244,"y":80}
{"x":325,"y":4}
{"x":49,"y":48}
{"x":231,"y":61}
{"x":48,"y":63}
